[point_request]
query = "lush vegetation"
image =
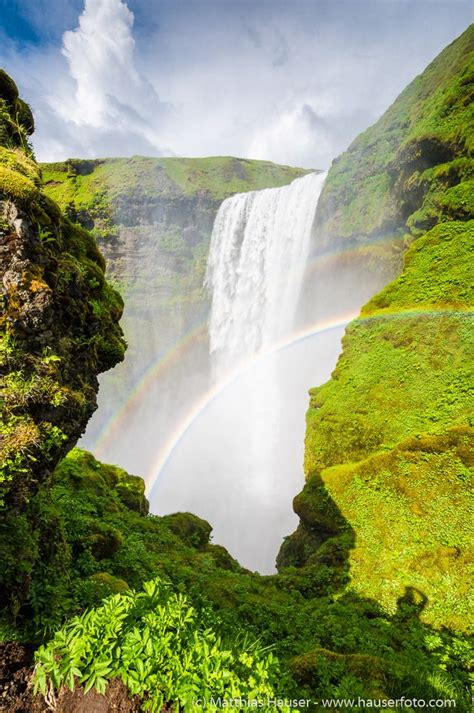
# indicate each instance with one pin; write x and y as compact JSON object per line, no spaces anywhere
{"x":58,"y":325}
{"x":153,"y":642}
{"x":16,"y":119}
{"x":104,"y":543}
{"x":328,"y":641}
{"x":58,"y":330}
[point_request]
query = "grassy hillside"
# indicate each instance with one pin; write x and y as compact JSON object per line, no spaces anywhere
{"x":411,"y":169}
{"x":388,"y":438}
{"x":217,"y":177}
{"x":388,"y":458}
{"x":101,"y":188}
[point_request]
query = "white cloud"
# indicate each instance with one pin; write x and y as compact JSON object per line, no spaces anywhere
{"x":100,"y":57}
{"x":295,"y":135}
{"x":288,"y":82}
{"x":110,"y":94}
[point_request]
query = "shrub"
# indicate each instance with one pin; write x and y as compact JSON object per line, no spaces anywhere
{"x":153,"y":641}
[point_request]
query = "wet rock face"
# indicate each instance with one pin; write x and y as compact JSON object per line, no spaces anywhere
{"x":58,"y":321}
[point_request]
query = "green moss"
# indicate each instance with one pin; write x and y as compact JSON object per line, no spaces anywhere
{"x":436,"y":274}
{"x":8,"y":88}
{"x":189,"y":528}
{"x":64,"y":276}
{"x":58,"y":330}
{"x":101,"y":585}
{"x":92,"y":544}
{"x":399,"y":375}
{"x":16,"y":160}
{"x":16,"y":119}
{"x":405,"y":538}
{"x":16,"y":186}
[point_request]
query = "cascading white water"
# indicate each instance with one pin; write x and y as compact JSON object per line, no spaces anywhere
{"x":258,"y":253}
{"x":240,"y":463}
{"x":257,"y":257}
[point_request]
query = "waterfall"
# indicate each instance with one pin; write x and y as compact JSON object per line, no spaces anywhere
{"x":239,"y":466}
{"x":259,"y":247}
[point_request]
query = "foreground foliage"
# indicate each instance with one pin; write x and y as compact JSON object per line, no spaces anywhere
{"x":154,"y":643}
{"x":329,"y":641}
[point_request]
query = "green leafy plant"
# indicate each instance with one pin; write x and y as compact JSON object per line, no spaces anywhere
{"x":154,"y":642}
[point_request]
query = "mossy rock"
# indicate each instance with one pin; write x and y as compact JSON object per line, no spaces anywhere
{"x":190,"y":529}
{"x":104,"y":541}
{"x":82,"y":471}
{"x":16,"y":118}
{"x":222,"y":558}
{"x":317,"y":510}
{"x":58,"y":330}
{"x":110,"y":584}
{"x":17,"y":160}
{"x":131,"y":491}
{"x":8,"y":88}
{"x":99,"y":586}
{"x":296,"y":548}
{"x":16,"y":186}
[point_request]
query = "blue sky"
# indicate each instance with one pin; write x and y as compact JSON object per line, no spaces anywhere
{"x":291,"y":81}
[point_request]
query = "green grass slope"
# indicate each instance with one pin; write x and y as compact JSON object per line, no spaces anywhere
{"x":217,"y":177}
{"x":388,"y":457}
{"x":410,"y":164}
{"x":389,"y":438}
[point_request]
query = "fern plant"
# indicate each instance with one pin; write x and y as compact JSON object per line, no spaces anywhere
{"x":152,"y":641}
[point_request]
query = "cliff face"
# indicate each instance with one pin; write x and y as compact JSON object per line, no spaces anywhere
{"x":58,"y":326}
{"x":411,"y":169}
{"x":153,"y":217}
{"x":388,"y":440}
